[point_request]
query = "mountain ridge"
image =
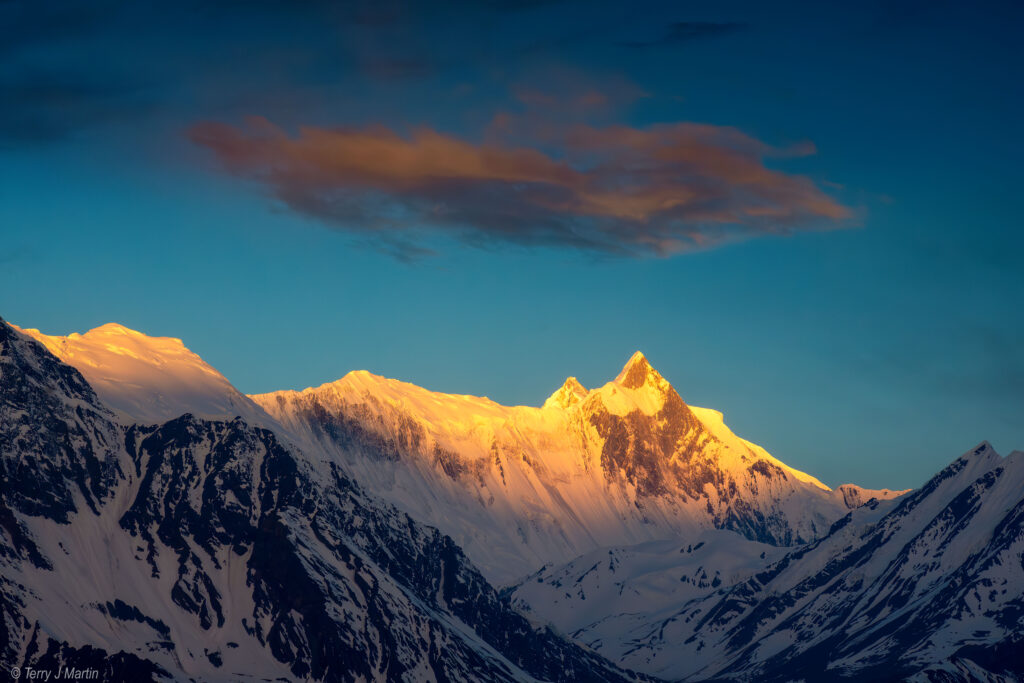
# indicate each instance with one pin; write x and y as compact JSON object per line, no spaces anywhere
{"x":663,"y":467}
{"x":222,"y":550}
{"x":209,"y":550}
{"x":622,"y":463}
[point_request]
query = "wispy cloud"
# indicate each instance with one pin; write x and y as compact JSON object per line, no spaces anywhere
{"x":652,"y":191}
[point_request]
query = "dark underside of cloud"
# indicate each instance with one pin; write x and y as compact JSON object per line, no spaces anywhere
{"x":653,"y":191}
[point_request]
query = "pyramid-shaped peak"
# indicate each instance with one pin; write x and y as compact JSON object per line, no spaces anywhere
{"x":637,"y":372}
{"x":569,"y":394}
{"x":982,"y":450}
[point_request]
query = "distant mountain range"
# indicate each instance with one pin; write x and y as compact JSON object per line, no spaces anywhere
{"x":159,"y":524}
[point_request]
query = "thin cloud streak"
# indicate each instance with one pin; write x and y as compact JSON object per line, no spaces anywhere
{"x":653,"y":191}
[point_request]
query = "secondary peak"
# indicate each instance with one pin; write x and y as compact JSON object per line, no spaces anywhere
{"x":570,"y":393}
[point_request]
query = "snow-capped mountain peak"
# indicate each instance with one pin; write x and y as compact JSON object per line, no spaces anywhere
{"x":637,"y":372}
{"x":147,"y":379}
{"x":637,"y":387}
{"x":521,"y":486}
{"x":568,"y":395}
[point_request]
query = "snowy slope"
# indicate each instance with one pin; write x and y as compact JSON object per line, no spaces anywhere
{"x":148,"y":379}
{"x":929,"y":586}
{"x":208,"y":550}
{"x":520,"y":487}
{"x":600,"y":594}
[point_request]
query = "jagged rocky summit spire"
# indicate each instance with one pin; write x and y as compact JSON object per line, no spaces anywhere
{"x":637,"y":372}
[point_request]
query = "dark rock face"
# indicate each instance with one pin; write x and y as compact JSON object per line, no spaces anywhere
{"x":359,"y":428}
{"x":56,"y":440}
{"x":666,"y":453}
{"x":654,"y":451}
{"x":767,"y":469}
{"x":334,"y":585}
{"x":636,"y":373}
{"x":130,"y":613}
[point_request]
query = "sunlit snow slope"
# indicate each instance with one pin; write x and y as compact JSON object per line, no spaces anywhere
{"x":147,"y":379}
{"x":519,"y":487}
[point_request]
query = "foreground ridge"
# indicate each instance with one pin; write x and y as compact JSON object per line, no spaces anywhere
{"x":925,"y":587}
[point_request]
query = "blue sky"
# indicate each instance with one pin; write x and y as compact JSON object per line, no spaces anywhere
{"x":870,"y":331}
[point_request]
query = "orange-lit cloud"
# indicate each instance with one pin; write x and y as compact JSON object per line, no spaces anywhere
{"x":652,"y":191}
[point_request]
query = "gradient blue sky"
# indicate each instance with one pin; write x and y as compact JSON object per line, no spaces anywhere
{"x":872,"y":349}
